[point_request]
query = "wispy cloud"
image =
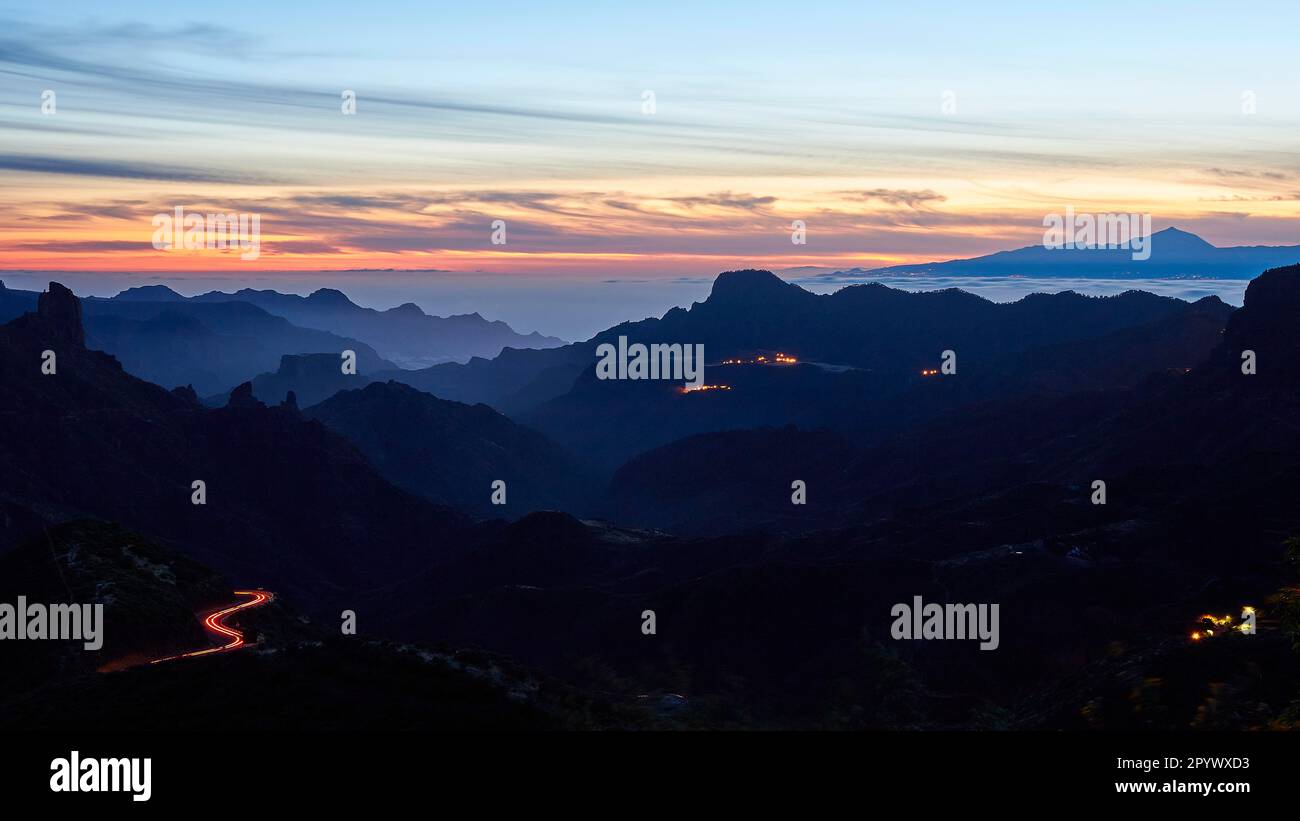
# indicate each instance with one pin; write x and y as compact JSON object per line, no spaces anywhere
{"x":120,"y":170}
{"x":895,"y":196}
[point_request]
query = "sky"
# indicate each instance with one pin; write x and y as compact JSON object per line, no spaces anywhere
{"x":895,"y":132}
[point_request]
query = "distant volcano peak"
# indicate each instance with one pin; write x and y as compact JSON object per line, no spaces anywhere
{"x":1179,"y":238}
{"x":1171,"y":252}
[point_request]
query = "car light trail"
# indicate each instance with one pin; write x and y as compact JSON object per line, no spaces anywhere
{"x":215,"y":623}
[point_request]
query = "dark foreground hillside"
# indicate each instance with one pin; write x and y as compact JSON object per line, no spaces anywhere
{"x":297,"y":676}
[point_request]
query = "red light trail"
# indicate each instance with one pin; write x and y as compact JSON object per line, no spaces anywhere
{"x":215,"y":623}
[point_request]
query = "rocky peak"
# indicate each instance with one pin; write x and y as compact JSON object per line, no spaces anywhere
{"x":1270,"y":310}
{"x":242,"y":397}
{"x":59,"y":313}
{"x":188,"y":393}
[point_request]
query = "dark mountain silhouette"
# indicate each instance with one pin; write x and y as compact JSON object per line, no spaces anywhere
{"x":719,"y":482}
{"x":289,"y":503}
{"x":883,"y":339}
{"x":513,"y":381}
{"x":16,"y":303}
{"x":904,"y":436}
{"x":212,"y":347}
{"x":1212,"y":414}
{"x":451,"y":453}
{"x":149,"y":293}
{"x":1219,"y":412}
{"x":988,"y":502}
{"x":1174,"y":253}
{"x":750,"y":622}
{"x":310,"y":377}
{"x":887,"y":331}
{"x":884,"y":329}
{"x":405,"y":334}
{"x":971,"y":488}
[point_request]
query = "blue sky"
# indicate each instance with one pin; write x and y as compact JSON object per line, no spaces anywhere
{"x":898,"y":132}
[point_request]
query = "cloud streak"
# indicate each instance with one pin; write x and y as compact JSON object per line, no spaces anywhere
{"x":77,"y":167}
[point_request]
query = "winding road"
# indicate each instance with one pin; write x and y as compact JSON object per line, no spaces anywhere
{"x":216,"y":624}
